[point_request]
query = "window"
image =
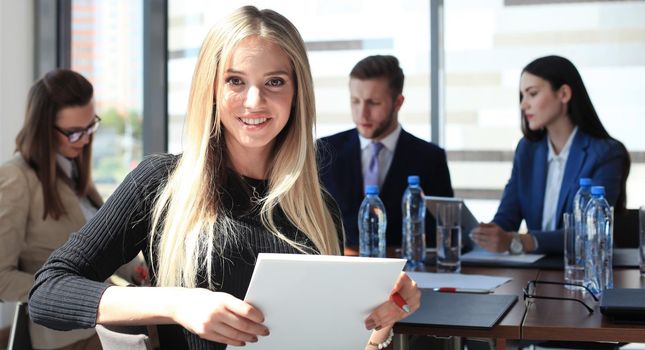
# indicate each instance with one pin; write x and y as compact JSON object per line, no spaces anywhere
{"x":337,"y":33}
{"x":107,"y":49}
{"x":487,"y":43}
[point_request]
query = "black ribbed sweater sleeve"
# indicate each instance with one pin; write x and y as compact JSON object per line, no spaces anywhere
{"x":69,"y":286}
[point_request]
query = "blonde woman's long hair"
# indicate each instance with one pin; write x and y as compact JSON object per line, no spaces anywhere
{"x":187,"y":215}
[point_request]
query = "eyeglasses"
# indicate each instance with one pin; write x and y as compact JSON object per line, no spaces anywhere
{"x":529,"y":293}
{"x":75,"y":135}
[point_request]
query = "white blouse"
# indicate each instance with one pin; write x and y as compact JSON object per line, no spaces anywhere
{"x":69,"y":168}
{"x":556,"y":164}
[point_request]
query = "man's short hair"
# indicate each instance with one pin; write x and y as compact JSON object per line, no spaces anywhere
{"x":380,"y":66}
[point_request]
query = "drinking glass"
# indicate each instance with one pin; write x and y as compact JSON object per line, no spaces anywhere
{"x":448,"y":237}
{"x":574,"y":268}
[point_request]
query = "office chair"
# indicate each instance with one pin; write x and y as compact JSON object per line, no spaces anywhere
{"x":124,"y":337}
{"x":626,"y":229}
{"x":19,"y":338}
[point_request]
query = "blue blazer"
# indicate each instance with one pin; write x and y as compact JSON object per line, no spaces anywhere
{"x":339,"y":158}
{"x":523,"y":199}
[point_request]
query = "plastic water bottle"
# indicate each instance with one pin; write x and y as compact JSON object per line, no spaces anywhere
{"x":372,"y":222}
{"x":580,"y":201}
{"x":598,"y":248}
{"x":413,"y":242}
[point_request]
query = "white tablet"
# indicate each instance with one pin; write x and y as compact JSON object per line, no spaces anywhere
{"x":318,"y":301}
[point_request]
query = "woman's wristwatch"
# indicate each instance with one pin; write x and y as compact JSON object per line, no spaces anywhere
{"x":516,"y":244}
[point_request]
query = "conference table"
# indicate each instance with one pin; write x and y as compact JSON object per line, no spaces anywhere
{"x":542,"y":319}
{"x":509,"y":327}
{"x":570,"y":321}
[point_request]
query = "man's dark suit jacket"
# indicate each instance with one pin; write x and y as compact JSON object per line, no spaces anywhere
{"x":339,"y":158}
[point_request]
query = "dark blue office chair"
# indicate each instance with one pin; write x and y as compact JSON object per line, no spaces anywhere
{"x":626,"y":229}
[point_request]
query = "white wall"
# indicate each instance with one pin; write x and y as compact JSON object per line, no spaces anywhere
{"x":16,"y":68}
{"x":16,"y":76}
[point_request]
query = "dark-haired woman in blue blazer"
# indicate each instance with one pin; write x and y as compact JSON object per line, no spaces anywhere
{"x":563,"y":141}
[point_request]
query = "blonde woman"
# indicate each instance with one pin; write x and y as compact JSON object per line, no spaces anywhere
{"x":246,"y":183}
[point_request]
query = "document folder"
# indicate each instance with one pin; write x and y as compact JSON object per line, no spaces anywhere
{"x":460,"y":309}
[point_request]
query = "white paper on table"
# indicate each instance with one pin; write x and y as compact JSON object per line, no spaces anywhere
{"x":427,"y":280}
{"x":318,"y":301}
{"x":479,"y":254}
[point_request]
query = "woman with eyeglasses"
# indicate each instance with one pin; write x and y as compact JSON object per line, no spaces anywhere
{"x":46,"y":191}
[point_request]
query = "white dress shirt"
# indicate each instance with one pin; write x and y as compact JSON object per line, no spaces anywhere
{"x":87,"y":208}
{"x":556,"y":164}
{"x":385,"y":155}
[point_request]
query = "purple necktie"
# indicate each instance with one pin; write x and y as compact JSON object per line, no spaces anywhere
{"x":372,"y":172}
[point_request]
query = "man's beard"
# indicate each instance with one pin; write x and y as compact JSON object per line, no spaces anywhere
{"x":381,"y":129}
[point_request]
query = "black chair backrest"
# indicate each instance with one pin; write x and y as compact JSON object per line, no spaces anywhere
{"x":626,"y":229}
{"x":19,"y":338}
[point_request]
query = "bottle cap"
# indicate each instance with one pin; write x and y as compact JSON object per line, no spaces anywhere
{"x":371,"y":189}
{"x":585,"y":182}
{"x":597,"y":190}
{"x":413,"y":180}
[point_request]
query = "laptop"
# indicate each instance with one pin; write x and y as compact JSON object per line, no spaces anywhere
{"x":468,"y":220}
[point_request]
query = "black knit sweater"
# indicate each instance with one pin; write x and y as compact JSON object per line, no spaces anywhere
{"x":68,"y":288}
